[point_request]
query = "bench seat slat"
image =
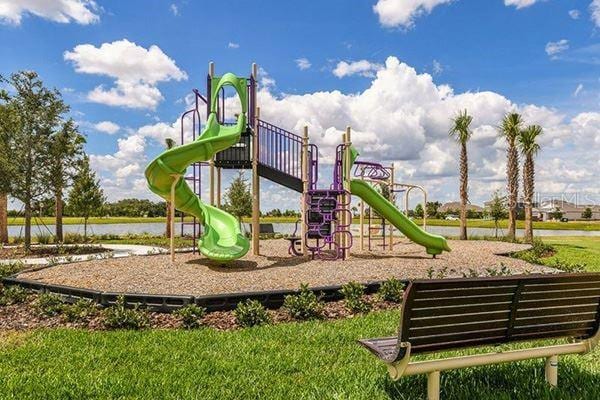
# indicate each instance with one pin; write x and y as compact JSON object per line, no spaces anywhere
{"x":562,"y":310}
{"x":459,"y":318}
{"x":457,"y":301}
{"x":458,"y":328}
{"x":561,"y":294}
{"x":457,"y":310}
{"x":461,"y":292}
{"x":540,"y":287}
{"x":560,"y":326}
{"x":553,"y":319}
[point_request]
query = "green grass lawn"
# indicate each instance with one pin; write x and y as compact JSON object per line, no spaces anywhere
{"x":575,"y":250}
{"x":314,"y":360}
{"x":125,"y":220}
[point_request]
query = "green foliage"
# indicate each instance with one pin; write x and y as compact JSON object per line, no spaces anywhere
{"x":238,"y":198}
{"x":136,"y":208}
{"x":566,"y":266}
{"x":557,"y":214}
{"x":30,"y":115}
{"x":118,"y":316}
{"x":392,"y":290}
{"x":304,"y":305}
{"x":497,"y":209}
{"x":432,"y":208}
{"x":419,"y":212}
{"x":80,"y":311}
{"x":48,"y":304}
{"x":86,"y":198}
{"x":9,"y":269}
{"x":587,"y":213}
{"x":73,"y":238}
{"x":353,"y":296}
{"x":251,"y":313}
{"x":13,"y":295}
{"x":44,"y":238}
{"x":190,"y":316}
{"x":538,"y":251}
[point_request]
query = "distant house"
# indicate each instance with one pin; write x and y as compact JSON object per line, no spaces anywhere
{"x":570,"y":211}
{"x":454,"y":207}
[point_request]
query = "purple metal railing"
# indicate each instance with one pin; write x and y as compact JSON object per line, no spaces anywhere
{"x":370,"y":170}
{"x":282,"y":151}
{"x":195,"y":179}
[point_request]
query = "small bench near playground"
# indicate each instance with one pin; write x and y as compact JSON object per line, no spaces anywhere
{"x":440,"y":315}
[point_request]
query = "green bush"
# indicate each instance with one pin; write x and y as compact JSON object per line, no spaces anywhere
{"x":80,"y":311}
{"x":120,"y":317}
{"x":251,"y":313}
{"x":392,"y":290}
{"x":353,"y":296}
{"x":10,"y":269}
{"x":73,"y":238}
{"x":190,"y":316}
{"x":44,"y":238}
{"x":304,"y":305}
{"x":13,"y":295}
{"x":48,"y":304}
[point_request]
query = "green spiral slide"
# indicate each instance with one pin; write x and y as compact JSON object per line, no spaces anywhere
{"x":434,"y":244}
{"x":222,"y":239}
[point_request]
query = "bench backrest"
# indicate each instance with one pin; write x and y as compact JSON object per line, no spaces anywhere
{"x":457,"y":313}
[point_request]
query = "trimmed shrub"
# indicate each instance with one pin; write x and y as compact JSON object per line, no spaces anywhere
{"x":251,"y":313}
{"x":45,"y":238}
{"x":13,"y":295}
{"x":190,"y":316}
{"x":48,"y":304}
{"x":120,"y":317}
{"x":304,"y":305}
{"x":80,"y":311}
{"x":392,"y":290}
{"x":353,"y":296}
{"x":73,"y":238}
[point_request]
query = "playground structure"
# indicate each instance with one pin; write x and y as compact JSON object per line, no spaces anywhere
{"x":288,"y":159}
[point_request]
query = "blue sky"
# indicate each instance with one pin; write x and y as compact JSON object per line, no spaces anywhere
{"x":539,"y":57}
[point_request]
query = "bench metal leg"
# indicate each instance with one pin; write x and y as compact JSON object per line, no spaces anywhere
{"x":552,"y":370}
{"x":433,"y":385}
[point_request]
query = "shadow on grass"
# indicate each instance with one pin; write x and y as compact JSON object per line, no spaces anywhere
{"x":514,"y":381}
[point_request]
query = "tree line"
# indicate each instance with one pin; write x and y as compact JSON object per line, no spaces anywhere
{"x":522,"y":145}
{"x":42,"y":154}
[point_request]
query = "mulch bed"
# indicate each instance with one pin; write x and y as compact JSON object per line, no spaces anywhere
{"x":24,"y":316}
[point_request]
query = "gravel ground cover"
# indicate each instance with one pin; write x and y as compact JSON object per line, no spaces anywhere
{"x":193,"y":274}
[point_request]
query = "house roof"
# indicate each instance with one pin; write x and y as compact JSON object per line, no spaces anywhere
{"x":455,"y":205}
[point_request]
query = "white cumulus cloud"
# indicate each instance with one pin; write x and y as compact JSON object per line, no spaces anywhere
{"x":233,"y":45}
{"x":402,"y":13}
{"x":520,"y":3}
{"x":136,"y":71}
{"x":62,"y":11}
{"x":303,"y":63}
{"x":363,"y":68}
{"x":574,"y":14}
{"x":555,"y":48}
{"x":595,"y":12}
{"x":107,"y":127}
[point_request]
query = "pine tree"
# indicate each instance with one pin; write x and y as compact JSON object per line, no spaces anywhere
{"x":238,"y":198}
{"x":86,"y":198}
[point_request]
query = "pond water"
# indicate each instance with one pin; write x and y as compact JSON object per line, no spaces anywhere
{"x":158,"y":228}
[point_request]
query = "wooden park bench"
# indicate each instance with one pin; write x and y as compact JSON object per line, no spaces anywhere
{"x":450,"y":314}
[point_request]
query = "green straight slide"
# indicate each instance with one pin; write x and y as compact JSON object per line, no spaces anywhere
{"x":434,"y":244}
{"x":222,"y":239}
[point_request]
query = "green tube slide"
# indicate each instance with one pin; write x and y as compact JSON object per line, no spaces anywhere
{"x":222,"y":239}
{"x":434,"y":244}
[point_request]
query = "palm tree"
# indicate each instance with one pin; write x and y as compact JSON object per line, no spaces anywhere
{"x":529,"y":147}
{"x":510,"y":130}
{"x":461,"y":131}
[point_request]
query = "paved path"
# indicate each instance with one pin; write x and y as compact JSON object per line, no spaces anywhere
{"x":116,"y":251}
